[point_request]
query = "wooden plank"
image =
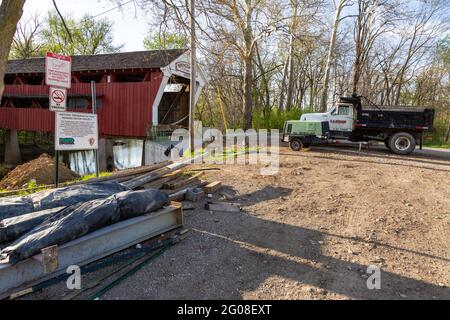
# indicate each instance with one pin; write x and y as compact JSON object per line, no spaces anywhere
{"x":131,"y":172}
{"x":179,"y":196}
{"x":183,"y":190}
{"x":182,"y":182}
{"x":147,"y":178}
{"x":205,"y":169}
{"x":213,"y":187}
{"x":158,"y":184}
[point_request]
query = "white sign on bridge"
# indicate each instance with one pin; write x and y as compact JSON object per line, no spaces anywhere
{"x":76,"y":131}
{"x":58,"y":70}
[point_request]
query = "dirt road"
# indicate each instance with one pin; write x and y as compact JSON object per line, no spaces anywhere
{"x":311,"y":231}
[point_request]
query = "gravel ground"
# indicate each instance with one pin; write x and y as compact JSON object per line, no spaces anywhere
{"x":310,"y":232}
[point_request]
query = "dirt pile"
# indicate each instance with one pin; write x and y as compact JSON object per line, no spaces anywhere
{"x":41,"y":170}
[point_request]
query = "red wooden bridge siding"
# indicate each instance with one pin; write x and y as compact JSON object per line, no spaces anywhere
{"x":126,"y":107}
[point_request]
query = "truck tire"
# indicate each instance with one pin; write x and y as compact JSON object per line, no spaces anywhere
{"x":296,"y":144}
{"x":402,"y":143}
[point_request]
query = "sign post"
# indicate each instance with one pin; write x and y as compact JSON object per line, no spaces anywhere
{"x":58,"y":75}
{"x":94,"y":111}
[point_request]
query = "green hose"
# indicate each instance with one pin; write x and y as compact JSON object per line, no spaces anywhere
{"x":131,"y":272}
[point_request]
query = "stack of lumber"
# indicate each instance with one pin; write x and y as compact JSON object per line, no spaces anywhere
{"x":173,"y":178}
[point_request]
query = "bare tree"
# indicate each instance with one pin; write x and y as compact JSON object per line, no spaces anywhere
{"x":26,"y":43}
{"x":421,"y":37}
{"x":374,"y":17}
{"x":326,"y":81}
{"x":10,"y":13}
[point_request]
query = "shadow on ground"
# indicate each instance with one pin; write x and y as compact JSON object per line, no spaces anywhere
{"x":267,"y":248}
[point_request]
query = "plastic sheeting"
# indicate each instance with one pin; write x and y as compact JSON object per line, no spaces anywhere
{"x":78,"y":220}
{"x":15,"y":206}
{"x":13,"y":228}
{"x":62,"y":197}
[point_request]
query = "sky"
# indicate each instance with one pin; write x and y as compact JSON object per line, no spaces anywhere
{"x":130,"y":26}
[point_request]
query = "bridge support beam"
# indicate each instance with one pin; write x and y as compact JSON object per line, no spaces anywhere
{"x":155,"y":152}
{"x":12,"y":149}
{"x":105,"y":155}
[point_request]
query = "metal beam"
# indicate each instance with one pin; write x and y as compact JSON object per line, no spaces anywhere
{"x":92,"y":247}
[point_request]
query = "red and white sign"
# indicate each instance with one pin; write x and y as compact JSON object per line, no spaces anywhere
{"x":58,"y":70}
{"x":58,"y":99}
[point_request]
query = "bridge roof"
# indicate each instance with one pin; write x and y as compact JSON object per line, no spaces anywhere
{"x":154,"y":59}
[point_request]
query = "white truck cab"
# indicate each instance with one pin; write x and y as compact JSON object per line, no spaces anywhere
{"x":400,"y":128}
{"x":341,"y":119}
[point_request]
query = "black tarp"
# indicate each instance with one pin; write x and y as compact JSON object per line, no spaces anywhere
{"x":62,"y":197}
{"x":13,"y":228}
{"x":15,"y":206}
{"x":80,"y":219}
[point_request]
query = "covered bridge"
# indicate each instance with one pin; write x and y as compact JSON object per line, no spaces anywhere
{"x":135,"y":91}
{"x":138,"y":94}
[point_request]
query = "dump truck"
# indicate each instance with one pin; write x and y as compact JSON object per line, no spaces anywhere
{"x":400,"y":128}
{"x":301,"y":134}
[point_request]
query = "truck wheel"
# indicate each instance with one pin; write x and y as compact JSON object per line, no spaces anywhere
{"x":296,"y":144}
{"x":402,"y":143}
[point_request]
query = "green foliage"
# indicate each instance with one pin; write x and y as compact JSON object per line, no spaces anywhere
{"x":434,"y":144}
{"x":167,"y":40}
{"x":87,"y":36}
{"x":437,"y":138}
{"x":276,"y":118}
{"x":31,"y":187}
{"x":93,"y":176}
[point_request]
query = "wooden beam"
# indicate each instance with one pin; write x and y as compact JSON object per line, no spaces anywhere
{"x":182,"y":182}
{"x":213,"y":187}
{"x":167,"y":178}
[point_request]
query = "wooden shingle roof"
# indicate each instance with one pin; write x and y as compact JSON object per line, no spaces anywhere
{"x":115,"y":61}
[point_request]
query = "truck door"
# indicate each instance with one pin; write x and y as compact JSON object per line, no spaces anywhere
{"x":341,"y":119}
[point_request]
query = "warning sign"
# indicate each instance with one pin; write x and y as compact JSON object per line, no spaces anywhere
{"x":58,"y":99}
{"x":58,"y":70}
{"x":76,"y":131}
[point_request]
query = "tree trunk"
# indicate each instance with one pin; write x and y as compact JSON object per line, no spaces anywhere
{"x":326,"y":81}
{"x":248,"y":67}
{"x":266,"y":110}
{"x":311,"y":95}
{"x":10,"y":13}
{"x":283,"y":84}
{"x":358,"y":46}
{"x":447,"y":135}
{"x":291,"y":75}
{"x":293,"y":30}
{"x":247,"y":92}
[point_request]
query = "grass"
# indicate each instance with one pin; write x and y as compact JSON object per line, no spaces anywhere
{"x":436,"y":145}
{"x":93,"y":176}
{"x":30,"y":188}
{"x":33,"y":187}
